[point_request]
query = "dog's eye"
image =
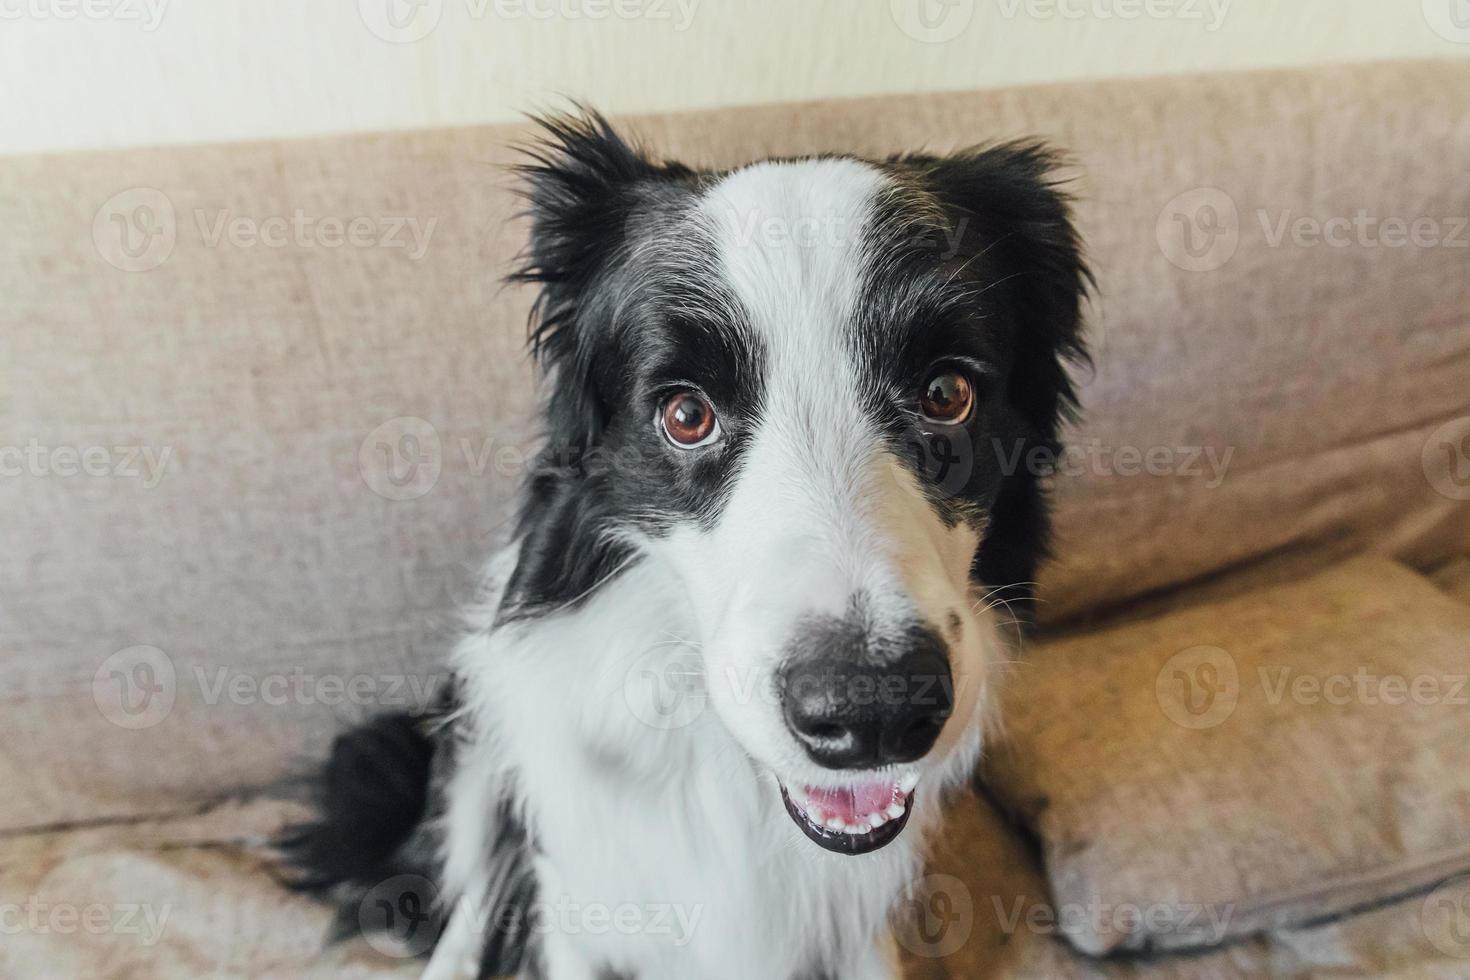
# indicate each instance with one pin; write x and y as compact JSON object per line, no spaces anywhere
{"x":688,"y":419}
{"x":947,"y":397}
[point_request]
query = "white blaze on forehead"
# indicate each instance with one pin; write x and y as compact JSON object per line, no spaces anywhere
{"x":815,"y":486}
{"x":789,"y":237}
{"x":821,"y":512}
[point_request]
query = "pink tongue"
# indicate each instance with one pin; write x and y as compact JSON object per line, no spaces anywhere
{"x":852,"y":802}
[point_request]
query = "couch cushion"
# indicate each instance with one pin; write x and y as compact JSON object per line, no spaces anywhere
{"x":190,"y":896}
{"x":1251,"y":764}
{"x":1454,"y":578}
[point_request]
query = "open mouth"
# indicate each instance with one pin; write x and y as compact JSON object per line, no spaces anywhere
{"x":856,"y":819}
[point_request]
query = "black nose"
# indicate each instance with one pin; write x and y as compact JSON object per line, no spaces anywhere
{"x":854,"y":708}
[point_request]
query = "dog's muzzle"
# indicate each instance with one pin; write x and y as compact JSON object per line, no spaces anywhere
{"x":869,"y":709}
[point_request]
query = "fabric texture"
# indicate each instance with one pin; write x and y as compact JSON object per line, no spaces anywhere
{"x":1256,"y":763}
{"x":192,"y":896}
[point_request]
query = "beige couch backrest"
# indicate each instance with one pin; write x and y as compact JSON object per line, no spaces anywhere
{"x":225,"y":533}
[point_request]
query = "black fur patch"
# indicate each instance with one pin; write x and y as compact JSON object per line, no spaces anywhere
{"x":374,"y":845}
{"x":623,"y":316}
{"x":1002,"y":281}
{"x":372,"y":794}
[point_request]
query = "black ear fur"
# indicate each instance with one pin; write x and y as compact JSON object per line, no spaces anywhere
{"x":582,"y":182}
{"x":1007,"y":207}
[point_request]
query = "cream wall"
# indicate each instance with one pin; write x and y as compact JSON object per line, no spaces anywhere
{"x":86,"y":73}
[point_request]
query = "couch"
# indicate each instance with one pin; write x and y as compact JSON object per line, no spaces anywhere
{"x":266,"y":405}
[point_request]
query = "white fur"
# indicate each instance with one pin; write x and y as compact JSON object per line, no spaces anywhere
{"x":630,"y":803}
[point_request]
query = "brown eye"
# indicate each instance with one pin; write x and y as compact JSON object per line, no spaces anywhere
{"x":947,"y":397}
{"x":688,"y":419}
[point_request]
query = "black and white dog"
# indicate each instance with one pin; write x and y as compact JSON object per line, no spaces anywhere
{"x":740,"y":644}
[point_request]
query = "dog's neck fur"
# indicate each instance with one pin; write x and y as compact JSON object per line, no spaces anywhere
{"x":633,"y":804}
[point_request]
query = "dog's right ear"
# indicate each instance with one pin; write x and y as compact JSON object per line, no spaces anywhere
{"x":586,"y":188}
{"x":583,"y":183}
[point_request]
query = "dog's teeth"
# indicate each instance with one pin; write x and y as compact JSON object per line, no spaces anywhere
{"x":906,"y":784}
{"x":815,"y":816}
{"x":877,"y":820}
{"x":836,"y":824}
{"x":856,"y":828}
{"x":895,"y":811}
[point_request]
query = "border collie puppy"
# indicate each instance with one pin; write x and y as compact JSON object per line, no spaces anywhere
{"x":739,"y":646}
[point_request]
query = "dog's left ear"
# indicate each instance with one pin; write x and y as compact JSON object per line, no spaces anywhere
{"x":584,"y":183}
{"x":1005,"y":203}
{"x":1010,"y":217}
{"x":586,"y":187}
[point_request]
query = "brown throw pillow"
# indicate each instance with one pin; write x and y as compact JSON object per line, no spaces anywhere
{"x":1257,"y":763}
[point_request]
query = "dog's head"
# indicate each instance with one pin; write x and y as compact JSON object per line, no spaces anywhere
{"x":811,"y":390}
